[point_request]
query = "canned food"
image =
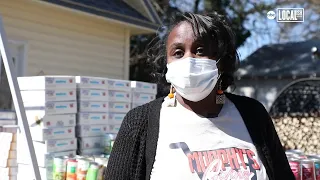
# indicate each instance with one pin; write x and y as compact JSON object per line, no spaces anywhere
{"x":82,"y":168}
{"x":92,"y":173}
{"x":101,"y":160}
{"x":108,"y":143}
{"x":307,"y":169}
{"x":295,"y":151}
{"x":71,"y":169}
{"x":100,"y":172}
{"x":59,"y":168}
{"x":316,"y":162}
{"x":295,"y":168}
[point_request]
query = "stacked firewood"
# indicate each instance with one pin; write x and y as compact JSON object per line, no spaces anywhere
{"x":296,"y":116}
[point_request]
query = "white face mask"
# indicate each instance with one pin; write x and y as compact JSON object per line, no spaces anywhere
{"x":193,"y":78}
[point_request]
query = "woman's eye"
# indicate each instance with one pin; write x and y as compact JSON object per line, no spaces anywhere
{"x":178,"y":54}
{"x":200,"y":51}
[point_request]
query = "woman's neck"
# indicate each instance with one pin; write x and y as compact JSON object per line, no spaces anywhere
{"x":206,"y":107}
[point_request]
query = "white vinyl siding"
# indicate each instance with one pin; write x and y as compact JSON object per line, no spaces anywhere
{"x":63,"y":42}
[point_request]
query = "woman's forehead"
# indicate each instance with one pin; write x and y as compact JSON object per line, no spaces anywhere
{"x":181,"y":33}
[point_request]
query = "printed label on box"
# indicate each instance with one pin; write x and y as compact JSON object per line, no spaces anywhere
{"x":93,"y":106}
{"x":144,"y":87}
{"x":93,"y":95}
{"x":142,"y":97}
{"x":91,"y":82}
{"x":116,"y":118}
{"x":121,"y":85}
{"x":119,"y":96}
{"x":61,"y":95}
{"x":40,"y":134}
{"x":61,"y":107}
{"x":119,"y":107}
{"x":91,"y":130}
{"x":92,"y":118}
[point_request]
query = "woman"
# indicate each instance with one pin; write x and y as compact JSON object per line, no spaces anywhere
{"x":198,"y":131}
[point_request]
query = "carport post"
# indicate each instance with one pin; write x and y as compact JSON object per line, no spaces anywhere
{"x":16,"y":97}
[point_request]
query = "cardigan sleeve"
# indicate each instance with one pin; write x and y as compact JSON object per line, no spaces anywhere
{"x":279,"y":161}
{"x":127,"y":160}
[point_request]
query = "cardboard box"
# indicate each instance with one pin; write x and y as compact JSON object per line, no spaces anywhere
{"x":91,"y":130}
{"x":51,"y":108}
{"x":26,"y":172}
{"x":7,"y":115}
{"x":8,"y":154}
{"x":144,"y":87}
{"x":116,"y":118}
{"x":142,"y":98}
{"x":93,"y":106}
{"x":8,"y":162}
{"x":119,"y":96}
{"x":92,"y":118}
{"x":90,"y":152}
{"x":43,"y":134}
{"x":114,"y":129}
{"x":92,"y":95}
{"x":119,"y":85}
{"x":11,"y":129}
{"x":8,"y":171}
{"x":40,"y":118}
{"x":90,"y":142}
{"x":46,"y":82}
{"x":39,"y":97}
{"x":7,"y":122}
{"x":91,"y":82}
{"x":44,"y":160}
{"x":48,"y":146}
{"x":9,"y":178}
{"x":119,"y":107}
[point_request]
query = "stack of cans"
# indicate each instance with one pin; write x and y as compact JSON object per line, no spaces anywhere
{"x":79,"y":167}
{"x":304,"y":167}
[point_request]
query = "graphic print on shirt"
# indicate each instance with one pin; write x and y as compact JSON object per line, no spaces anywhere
{"x":221,"y":164}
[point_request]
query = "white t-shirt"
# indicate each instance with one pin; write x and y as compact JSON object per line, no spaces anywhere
{"x":191,"y":147}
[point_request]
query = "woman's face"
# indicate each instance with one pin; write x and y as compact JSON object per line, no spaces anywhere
{"x":182,"y":43}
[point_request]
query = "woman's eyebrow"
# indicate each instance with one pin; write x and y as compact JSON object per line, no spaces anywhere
{"x":176,"y":45}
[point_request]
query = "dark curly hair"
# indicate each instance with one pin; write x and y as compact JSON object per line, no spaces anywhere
{"x":214,"y":30}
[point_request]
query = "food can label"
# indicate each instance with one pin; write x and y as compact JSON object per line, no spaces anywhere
{"x":307,"y":172}
{"x":317,"y":170}
{"x":295,"y":168}
{"x":59,"y":168}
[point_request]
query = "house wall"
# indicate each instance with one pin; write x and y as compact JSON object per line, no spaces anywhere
{"x":63,"y":42}
{"x":265,"y":91}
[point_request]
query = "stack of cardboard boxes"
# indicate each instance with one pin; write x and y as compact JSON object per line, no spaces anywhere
{"x":119,"y":103}
{"x":92,"y":115}
{"x":8,"y":140}
{"x":142,"y":93}
{"x":51,"y":107}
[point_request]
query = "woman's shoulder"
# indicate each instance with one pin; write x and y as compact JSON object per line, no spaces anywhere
{"x":246,"y":101}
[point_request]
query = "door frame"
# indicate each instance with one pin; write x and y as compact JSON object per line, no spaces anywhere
{"x":22,"y":47}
